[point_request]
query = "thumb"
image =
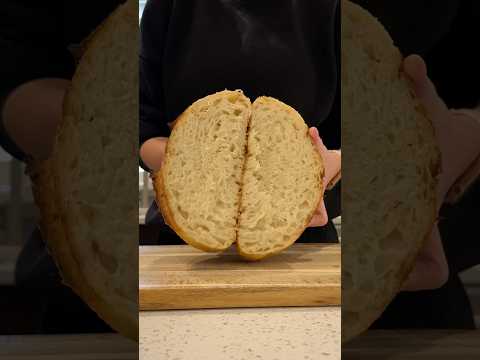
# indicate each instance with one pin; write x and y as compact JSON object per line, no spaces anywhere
{"x":416,"y":70}
{"x":331,"y":158}
{"x":317,"y":140}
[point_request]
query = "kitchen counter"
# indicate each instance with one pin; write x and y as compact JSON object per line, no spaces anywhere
{"x":68,"y":347}
{"x":235,"y":334}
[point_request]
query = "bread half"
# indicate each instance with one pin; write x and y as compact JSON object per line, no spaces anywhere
{"x":391,"y":163}
{"x":234,"y":171}
{"x":282,"y":182}
{"x":86,"y":194}
{"x":199,"y":185}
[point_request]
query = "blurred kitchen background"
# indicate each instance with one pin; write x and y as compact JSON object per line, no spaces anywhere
{"x":144,"y":183}
{"x":18,"y":214}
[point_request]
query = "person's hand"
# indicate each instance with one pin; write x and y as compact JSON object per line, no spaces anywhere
{"x":152,"y":152}
{"x":32,"y":113}
{"x":332,"y":163}
{"x":458,"y":136}
{"x":458,"y":139}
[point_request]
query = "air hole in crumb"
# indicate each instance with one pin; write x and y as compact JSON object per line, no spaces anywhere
{"x":182,"y":212}
{"x":203,"y":227}
{"x":210,"y":218}
{"x":276,"y":223}
{"x":304,"y":205}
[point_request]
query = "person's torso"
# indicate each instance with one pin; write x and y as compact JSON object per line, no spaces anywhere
{"x":286,"y":49}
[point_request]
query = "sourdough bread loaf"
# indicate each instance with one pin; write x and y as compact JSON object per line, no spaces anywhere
{"x":199,"y":185}
{"x":237,"y":172}
{"x":390,"y":166}
{"x":85,"y":191}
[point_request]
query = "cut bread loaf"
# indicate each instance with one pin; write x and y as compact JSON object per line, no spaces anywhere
{"x":86,"y":192}
{"x":390,"y":167}
{"x":234,"y":171}
{"x":199,"y":184}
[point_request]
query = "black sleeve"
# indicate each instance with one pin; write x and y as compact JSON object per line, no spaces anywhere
{"x":333,"y":202}
{"x":153,"y":27}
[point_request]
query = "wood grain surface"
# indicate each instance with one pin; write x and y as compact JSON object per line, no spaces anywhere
{"x":181,"y":277}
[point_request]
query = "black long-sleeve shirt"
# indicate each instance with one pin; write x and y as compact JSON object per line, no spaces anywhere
{"x":282,"y":48}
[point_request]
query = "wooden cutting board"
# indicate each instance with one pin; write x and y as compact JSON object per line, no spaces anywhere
{"x":181,"y":277}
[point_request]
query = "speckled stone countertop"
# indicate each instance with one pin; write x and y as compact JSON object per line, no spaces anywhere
{"x":241,"y":334}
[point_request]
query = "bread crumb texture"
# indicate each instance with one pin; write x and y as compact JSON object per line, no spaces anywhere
{"x":87,"y":196}
{"x":390,"y":168}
